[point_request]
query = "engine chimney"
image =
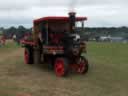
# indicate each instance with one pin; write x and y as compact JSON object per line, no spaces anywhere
{"x":72,"y":19}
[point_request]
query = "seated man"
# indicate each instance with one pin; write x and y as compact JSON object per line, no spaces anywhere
{"x":55,"y":38}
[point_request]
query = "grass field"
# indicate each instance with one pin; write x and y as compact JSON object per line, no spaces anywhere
{"x":107,"y":75}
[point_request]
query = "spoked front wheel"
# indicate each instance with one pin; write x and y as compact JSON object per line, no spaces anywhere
{"x":82,"y":65}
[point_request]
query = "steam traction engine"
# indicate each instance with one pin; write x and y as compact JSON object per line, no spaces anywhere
{"x":56,"y":42}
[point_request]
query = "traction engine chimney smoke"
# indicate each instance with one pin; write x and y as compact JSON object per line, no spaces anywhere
{"x":72,"y":19}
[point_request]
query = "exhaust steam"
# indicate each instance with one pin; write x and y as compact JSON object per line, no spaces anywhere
{"x":72,"y":5}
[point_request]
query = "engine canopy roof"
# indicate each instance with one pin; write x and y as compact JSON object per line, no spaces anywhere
{"x":57,"y":19}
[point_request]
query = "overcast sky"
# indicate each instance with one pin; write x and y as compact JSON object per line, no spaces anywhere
{"x":100,"y":13}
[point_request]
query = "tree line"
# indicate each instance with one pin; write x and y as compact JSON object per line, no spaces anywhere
{"x":96,"y":32}
{"x":113,"y":31}
{"x":19,"y":32}
{"x":88,"y":32}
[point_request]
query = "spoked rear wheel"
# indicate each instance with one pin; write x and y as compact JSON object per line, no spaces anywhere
{"x":28,"y":56}
{"x":61,"y":67}
{"x":82,"y":65}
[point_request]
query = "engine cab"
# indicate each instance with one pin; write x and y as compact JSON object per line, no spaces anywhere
{"x":56,"y":40}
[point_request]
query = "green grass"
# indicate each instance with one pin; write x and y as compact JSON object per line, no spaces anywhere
{"x":109,"y":63}
{"x":115,"y":53}
{"x":10,"y":46}
{"x":107,"y":75}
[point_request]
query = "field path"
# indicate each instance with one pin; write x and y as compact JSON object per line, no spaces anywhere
{"x":107,"y":75}
{"x":11,"y":54}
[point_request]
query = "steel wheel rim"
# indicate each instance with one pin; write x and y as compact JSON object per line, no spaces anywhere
{"x":82,"y":65}
{"x":26,"y":56}
{"x":59,"y":67}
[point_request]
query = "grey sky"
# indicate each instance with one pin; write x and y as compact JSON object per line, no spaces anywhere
{"x":99,"y":12}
